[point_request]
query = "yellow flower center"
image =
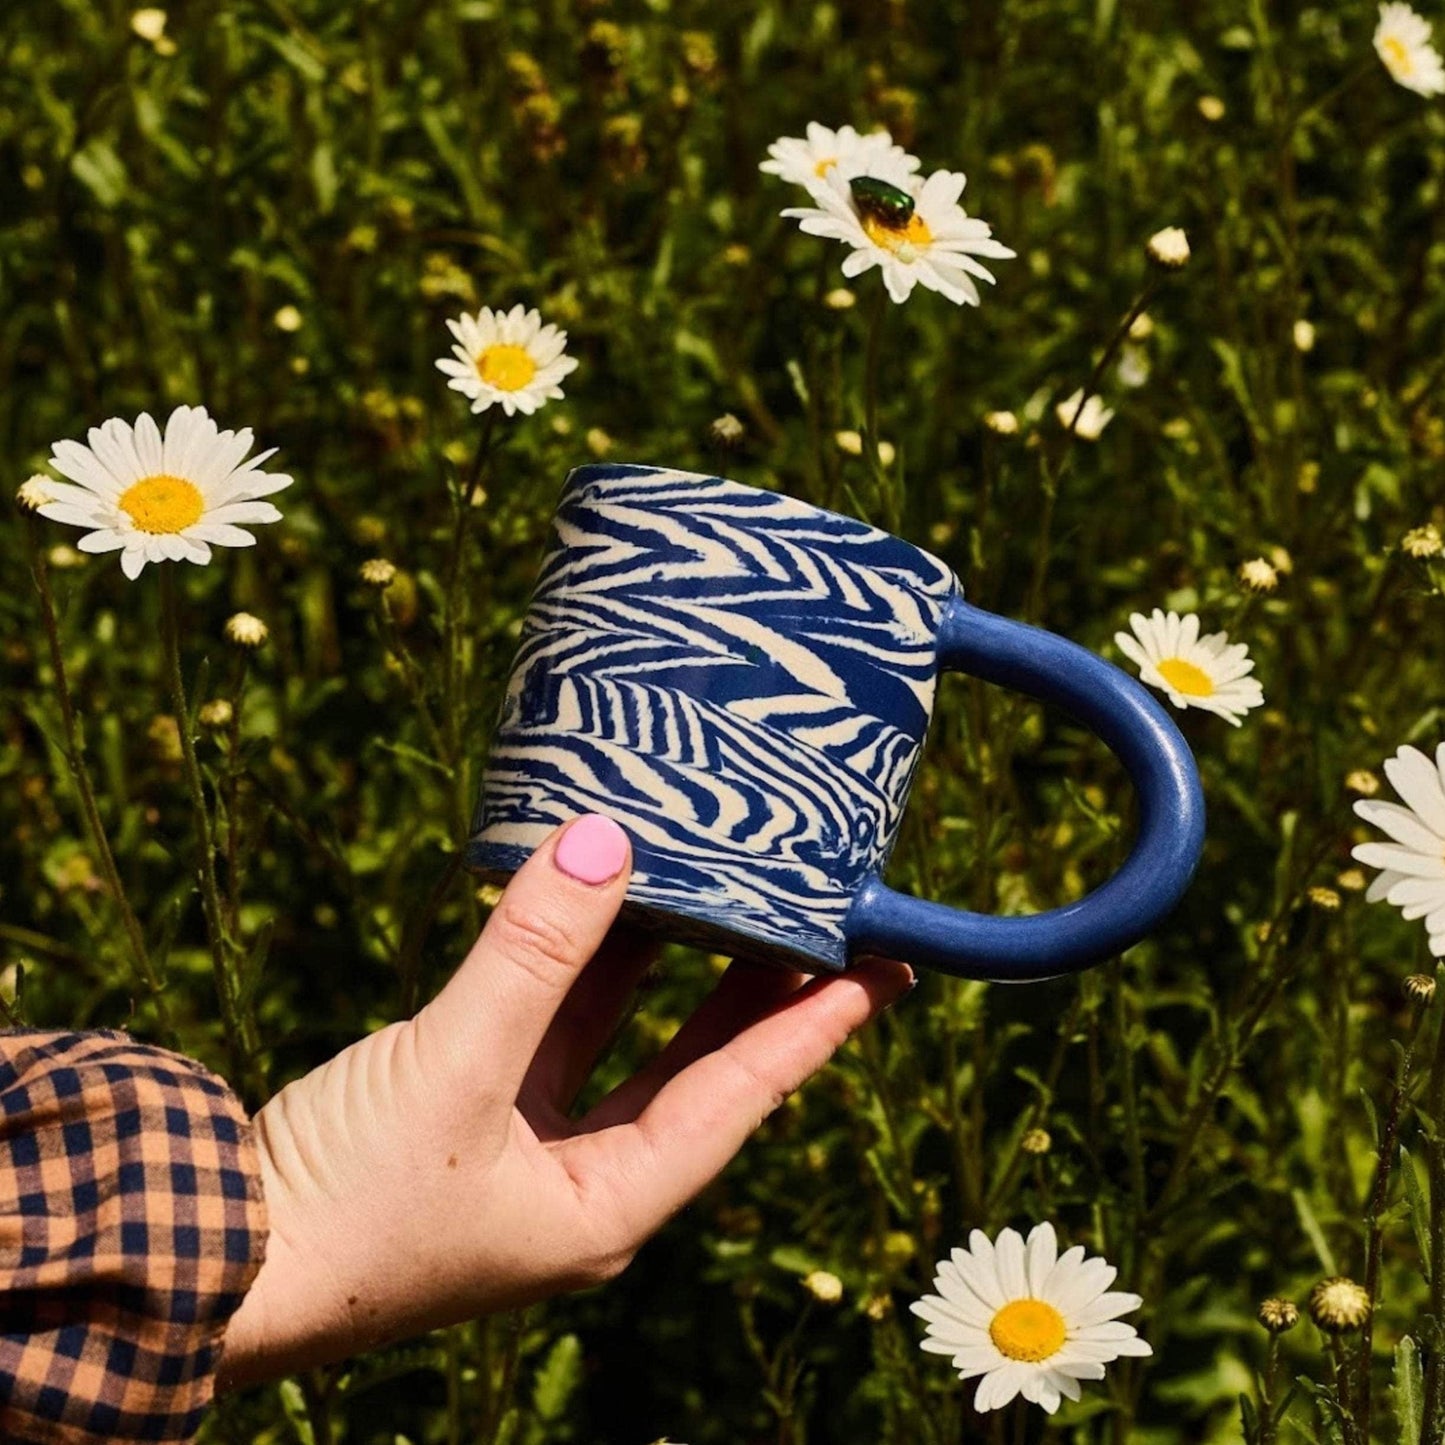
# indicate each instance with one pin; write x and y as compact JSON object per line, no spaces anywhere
{"x":825,"y":165}
{"x":1186,"y":678}
{"x":1397,"y":55}
{"x":506,"y":366}
{"x":163,"y":503}
{"x":914,"y":232}
{"x":1028,"y":1329}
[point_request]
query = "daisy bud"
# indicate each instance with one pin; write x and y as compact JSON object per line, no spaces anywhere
{"x":1036,"y":1141}
{"x":824,"y":1287}
{"x":886,"y":453}
{"x":1352,"y":880}
{"x":215,"y":714}
{"x":65,"y":559}
{"x":598,"y":442}
{"x":1211,"y":108}
{"x":850,"y":442}
{"x":879,"y":1307}
{"x":1419,"y":988}
{"x":1169,"y":249}
{"x":149,"y":24}
{"x":1282,"y":561}
{"x":1278,"y":1315}
{"x":1304,"y":336}
{"x":1141,"y":328}
{"x":726,"y":430}
{"x":1423,"y":541}
{"x":1001,"y":423}
{"x":1363,"y":782}
{"x":164,"y":734}
{"x":288,"y":318}
{"x":1258,"y":575}
{"x":489,"y":895}
{"x":1325,"y":899}
{"x":840,"y":298}
{"x":33,"y":494}
{"x":246,"y":632}
{"x":1338,"y":1304}
{"x":377,"y":572}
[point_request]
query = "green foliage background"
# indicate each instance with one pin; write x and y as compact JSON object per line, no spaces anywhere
{"x":1215,"y":1098}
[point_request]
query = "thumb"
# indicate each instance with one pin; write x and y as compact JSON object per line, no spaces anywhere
{"x":550,"y":920}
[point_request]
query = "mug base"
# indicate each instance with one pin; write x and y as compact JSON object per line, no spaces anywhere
{"x":668,"y":925}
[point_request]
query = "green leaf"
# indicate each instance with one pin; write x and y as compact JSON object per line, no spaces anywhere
{"x":1408,"y":1390}
{"x":1419,"y":1208}
{"x":558,"y":1378}
{"x":1311,"y":1227}
{"x":97,"y":167}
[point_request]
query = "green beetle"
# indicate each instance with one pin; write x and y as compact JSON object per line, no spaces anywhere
{"x":882,"y":202}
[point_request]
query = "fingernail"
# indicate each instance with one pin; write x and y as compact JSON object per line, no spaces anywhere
{"x":592,"y":850}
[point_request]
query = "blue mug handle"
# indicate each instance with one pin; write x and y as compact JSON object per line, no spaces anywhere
{"x":1117,"y":914}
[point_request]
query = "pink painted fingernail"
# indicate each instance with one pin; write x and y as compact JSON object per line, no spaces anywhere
{"x":592,"y":850}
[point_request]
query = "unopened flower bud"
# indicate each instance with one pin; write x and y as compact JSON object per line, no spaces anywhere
{"x":33,"y":494}
{"x":1278,"y":1315}
{"x":1001,"y":423}
{"x":1419,"y":988}
{"x":1036,"y":1141}
{"x":1423,"y":541}
{"x":726,"y":430}
{"x":1258,"y":575}
{"x":1325,"y":899}
{"x":840,"y":298}
{"x":247,"y":632}
{"x":1169,"y":248}
{"x":1363,"y":782}
{"x":215,"y":714}
{"x":1338,"y":1304}
{"x":377,"y":572}
{"x":826,"y":1288}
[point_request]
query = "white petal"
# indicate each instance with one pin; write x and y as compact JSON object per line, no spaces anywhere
{"x":1400,"y":860}
{"x":1043,"y":1254}
{"x":107,"y":541}
{"x":1009,"y":1258}
{"x":132,"y":560}
{"x":1404,"y":825}
{"x":1417,"y":780}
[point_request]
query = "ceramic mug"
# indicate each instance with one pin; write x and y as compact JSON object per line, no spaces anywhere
{"x":744,"y":681}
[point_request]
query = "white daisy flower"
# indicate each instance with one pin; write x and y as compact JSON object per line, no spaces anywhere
{"x":508,"y":359}
{"x":1029,"y":1320}
{"x":1092,"y":419}
{"x":1194,"y":671}
{"x":1402,"y":41}
{"x":1413,"y":864}
{"x":914,"y":232}
{"x":156,"y":498}
{"x":809,"y":162}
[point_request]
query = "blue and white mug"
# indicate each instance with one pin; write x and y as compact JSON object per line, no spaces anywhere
{"x":744,"y":681}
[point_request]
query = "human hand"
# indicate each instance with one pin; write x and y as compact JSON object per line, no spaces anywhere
{"x":431,"y":1172}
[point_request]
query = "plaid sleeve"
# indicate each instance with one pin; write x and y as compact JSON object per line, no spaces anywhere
{"x":131,"y":1225}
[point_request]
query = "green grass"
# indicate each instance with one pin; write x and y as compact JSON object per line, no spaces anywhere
{"x":1213,"y":1097}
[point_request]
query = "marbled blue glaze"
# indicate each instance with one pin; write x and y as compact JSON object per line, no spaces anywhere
{"x":744,"y":682}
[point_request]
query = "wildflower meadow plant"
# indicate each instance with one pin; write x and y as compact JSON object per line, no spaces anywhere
{"x":1171,"y":355}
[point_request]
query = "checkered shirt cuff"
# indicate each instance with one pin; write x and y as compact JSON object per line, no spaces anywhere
{"x":131,"y":1225}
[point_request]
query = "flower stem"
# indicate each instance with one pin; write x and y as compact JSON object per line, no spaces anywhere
{"x":1435,"y":1104}
{"x":239,"y":1027}
{"x":1375,"y":1209}
{"x":150,"y":980}
{"x":872,"y":364}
